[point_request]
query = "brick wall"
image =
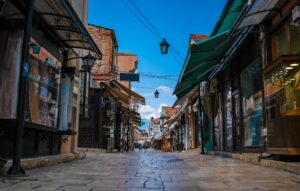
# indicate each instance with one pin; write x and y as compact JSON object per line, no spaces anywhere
{"x":127,"y":63}
{"x":105,"y":40}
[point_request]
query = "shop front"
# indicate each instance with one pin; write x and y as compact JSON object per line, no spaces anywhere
{"x":281,"y":84}
{"x":243,"y":98}
{"x":36,"y":95}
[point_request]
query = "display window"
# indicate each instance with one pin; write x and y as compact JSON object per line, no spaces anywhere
{"x":251,"y":91}
{"x":282,"y":87}
{"x":43,"y":87}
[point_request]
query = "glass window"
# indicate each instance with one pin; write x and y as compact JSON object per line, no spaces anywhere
{"x":43,"y":87}
{"x":283,"y":92}
{"x":228,"y":118}
{"x":251,"y":89}
{"x":282,"y":89}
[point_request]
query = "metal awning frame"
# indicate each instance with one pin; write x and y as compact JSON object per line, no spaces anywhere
{"x":72,"y":24}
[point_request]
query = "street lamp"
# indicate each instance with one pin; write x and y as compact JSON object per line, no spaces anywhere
{"x":89,"y":62}
{"x":156,"y":94}
{"x":164,"y":46}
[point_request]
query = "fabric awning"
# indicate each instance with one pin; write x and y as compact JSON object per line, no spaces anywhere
{"x":122,"y":98}
{"x":133,"y":95}
{"x":60,"y":18}
{"x":202,"y":59}
{"x":258,"y":12}
{"x":178,"y":114}
{"x":135,"y":118}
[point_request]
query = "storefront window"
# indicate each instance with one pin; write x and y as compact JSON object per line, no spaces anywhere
{"x":43,"y":87}
{"x":252,"y":104}
{"x":282,"y":89}
{"x":228,"y":118}
{"x":283,"y":92}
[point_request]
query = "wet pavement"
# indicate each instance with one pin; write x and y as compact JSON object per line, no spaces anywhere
{"x":141,"y":171}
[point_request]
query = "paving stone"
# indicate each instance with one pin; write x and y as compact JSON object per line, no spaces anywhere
{"x":153,"y":171}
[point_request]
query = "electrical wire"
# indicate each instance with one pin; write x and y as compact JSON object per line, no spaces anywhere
{"x":145,"y":25}
{"x":151,"y":27}
{"x":145,"y":18}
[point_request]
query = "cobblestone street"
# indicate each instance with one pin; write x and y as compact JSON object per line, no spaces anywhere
{"x":153,"y":171}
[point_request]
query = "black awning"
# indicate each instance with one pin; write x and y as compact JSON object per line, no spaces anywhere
{"x":62,"y":19}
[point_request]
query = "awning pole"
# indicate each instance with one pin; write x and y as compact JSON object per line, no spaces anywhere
{"x":201,"y":122}
{"x":16,"y":169}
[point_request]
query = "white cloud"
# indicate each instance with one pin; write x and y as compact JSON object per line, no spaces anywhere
{"x":144,"y":109}
{"x":155,"y":113}
{"x":166,"y":89}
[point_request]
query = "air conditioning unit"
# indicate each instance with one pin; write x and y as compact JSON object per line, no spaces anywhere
{"x":213,"y":85}
{"x":204,"y":88}
{"x":296,"y":14}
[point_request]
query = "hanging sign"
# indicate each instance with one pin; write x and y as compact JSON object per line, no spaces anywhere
{"x":131,"y":77}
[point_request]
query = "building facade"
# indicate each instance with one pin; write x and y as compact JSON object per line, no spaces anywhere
{"x":39,"y":72}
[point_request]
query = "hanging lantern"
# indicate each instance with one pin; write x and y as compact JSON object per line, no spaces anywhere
{"x":35,"y":48}
{"x":164,"y":46}
{"x":89,"y":60}
{"x":156,"y":94}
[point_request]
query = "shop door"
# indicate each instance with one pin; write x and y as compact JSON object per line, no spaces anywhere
{"x":236,"y":121}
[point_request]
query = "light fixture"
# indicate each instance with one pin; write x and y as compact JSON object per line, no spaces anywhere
{"x":36,"y":49}
{"x":164,"y":46}
{"x":292,"y":79}
{"x":156,"y":94}
{"x":89,"y":60}
{"x":294,"y":64}
{"x":288,"y":68}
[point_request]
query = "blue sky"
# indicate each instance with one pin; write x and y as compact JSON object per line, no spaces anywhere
{"x":175,"y":20}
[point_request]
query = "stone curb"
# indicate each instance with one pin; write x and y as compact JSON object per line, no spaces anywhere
{"x":293,"y":167}
{"x":38,"y":162}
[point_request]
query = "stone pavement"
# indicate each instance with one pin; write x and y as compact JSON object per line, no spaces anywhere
{"x":142,"y":171}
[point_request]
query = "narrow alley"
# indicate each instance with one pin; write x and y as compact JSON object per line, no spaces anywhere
{"x":153,"y":170}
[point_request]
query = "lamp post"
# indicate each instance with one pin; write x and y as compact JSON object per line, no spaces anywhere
{"x":16,"y":168}
{"x":156,"y":94}
{"x":89,"y":62}
{"x":164,"y":46}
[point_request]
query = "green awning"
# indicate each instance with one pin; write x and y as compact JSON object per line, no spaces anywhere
{"x":204,"y":56}
{"x":202,"y":59}
{"x":230,"y":14}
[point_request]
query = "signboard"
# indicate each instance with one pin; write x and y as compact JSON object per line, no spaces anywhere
{"x":131,"y":77}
